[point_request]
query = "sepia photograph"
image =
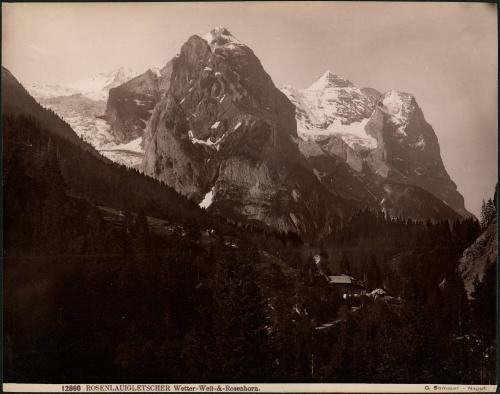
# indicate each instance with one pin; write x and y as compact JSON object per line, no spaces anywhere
{"x":250,"y":196}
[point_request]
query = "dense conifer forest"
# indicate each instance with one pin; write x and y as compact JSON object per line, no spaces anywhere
{"x":112,"y":276}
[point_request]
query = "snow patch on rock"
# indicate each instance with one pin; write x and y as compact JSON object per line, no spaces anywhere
{"x":208,"y":142}
{"x":208,"y":199}
{"x":420,"y":144}
{"x":398,"y":106}
{"x":221,"y":37}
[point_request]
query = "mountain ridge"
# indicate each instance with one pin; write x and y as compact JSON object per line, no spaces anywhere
{"x":220,"y":99}
{"x":84,"y":170}
{"x":373,"y":126}
{"x":213,"y":125}
{"x":95,"y":87}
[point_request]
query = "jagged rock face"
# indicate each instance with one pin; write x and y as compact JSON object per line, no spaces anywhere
{"x":337,"y":147}
{"x":408,"y":150}
{"x":333,"y":106}
{"x":340,"y":126}
{"x":344,"y":178}
{"x":387,"y":132}
{"x":130,"y":105}
{"x":223,"y":128}
{"x":408,"y":201}
{"x":478,"y":258}
{"x":374,"y":94}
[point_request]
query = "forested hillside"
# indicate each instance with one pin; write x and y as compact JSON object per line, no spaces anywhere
{"x":111,"y":276}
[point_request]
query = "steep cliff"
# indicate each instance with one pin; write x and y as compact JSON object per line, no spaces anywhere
{"x":408,"y":150}
{"x":387,"y":131}
{"x":130,"y":105}
{"x":480,"y":256}
{"x":224,"y":129}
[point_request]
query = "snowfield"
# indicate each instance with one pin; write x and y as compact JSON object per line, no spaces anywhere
{"x":333,"y":106}
{"x":132,"y":146}
{"x":81,"y":103}
{"x":352,"y":134}
{"x":41,"y":91}
{"x":82,"y":114}
{"x":95,"y":87}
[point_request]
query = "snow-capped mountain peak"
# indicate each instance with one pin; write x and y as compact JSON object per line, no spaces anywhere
{"x":123,"y":74}
{"x":221,"y":37}
{"x":330,"y":80}
{"x":97,"y":87}
{"x":333,"y":106}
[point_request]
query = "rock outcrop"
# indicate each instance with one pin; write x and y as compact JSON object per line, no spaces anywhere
{"x":408,"y":150}
{"x":224,"y":128}
{"x":130,"y":106}
{"x":478,"y":258}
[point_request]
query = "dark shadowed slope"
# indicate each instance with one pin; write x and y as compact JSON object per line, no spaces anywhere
{"x":85,"y":171}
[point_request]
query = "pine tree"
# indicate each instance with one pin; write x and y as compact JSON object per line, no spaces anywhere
{"x":485,"y":320}
{"x":345,"y":265}
{"x":235,"y":323}
{"x":484,"y":301}
{"x":488,"y":212}
{"x":373,"y":274}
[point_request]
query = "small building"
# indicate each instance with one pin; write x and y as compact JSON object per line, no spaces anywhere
{"x":347,"y":285}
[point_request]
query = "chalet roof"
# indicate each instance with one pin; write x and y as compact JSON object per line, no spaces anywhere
{"x":341,"y":279}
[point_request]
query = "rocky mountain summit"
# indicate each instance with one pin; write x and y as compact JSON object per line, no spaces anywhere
{"x":223,"y":130}
{"x":216,"y":128}
{"x":387,"y":132}
{"x":408,"y":150}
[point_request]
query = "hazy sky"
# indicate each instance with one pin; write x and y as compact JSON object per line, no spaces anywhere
{"x":443,"y":53}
